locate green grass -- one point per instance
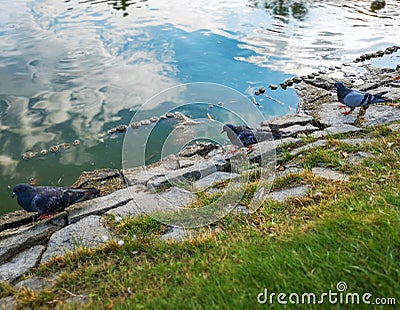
(348, 232)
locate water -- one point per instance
(74, 69)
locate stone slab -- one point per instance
(329, 174)
(21, 263)
(307, 147)
(88, 232)
(293, 192)
(381, 114)
(288, 120)
(336, 129)
(177, 234)
(145, 202)
(15, 240)
(209, 180)
(294, 130)
(98, 206)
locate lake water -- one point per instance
(74, 69)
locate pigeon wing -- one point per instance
(355, 99)
(49, 200)
(247, 137)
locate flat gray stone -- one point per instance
(394, 127)
(177, 234)
(214, 178)
(329, 114)
(329, 174)
(336, 129)
(290, 170)
(294, 192)
(88, 232)
(294, 130)
(143, 174)
(21, 263)
(307, 147)
(356, 141)
(36, 283)
(288, 120)
(185, 176)
(242, 209)
(8, 303)
(146, 202)
(381, 114)
(18, 239)
(358, 157)
(98, 206)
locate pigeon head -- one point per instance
(338, 85)
(21, 189)
(228, 128)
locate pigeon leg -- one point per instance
(342, 106)
(46, 216)
(346, 112)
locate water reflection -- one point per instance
(282, 9)
(119, 5)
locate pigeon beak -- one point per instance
(14, 194)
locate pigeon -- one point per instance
(244, 136)
(354, 98)
(48, 200)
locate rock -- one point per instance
(294, 192)
(329, 174)
(18, 239)
(273, 86)
(145, 122)
(242, 209)
(95, 175)
(358, 157)
(185, 176)
(329, 114)
(307, 147)
(98, 206)
(146, 202)
(176, 234)
(290, 170)
(355, 141)
(121, 128)
(88, 232)
(214, 178)
(394, 127)
(288, 120)
(21, 263)
(141, 175)
(295, 130)
(9, 303)
(36, 283)
(377, 5)
(201, 149)
(153, 119)
(336, 129)
(380, 114)
(135, 125)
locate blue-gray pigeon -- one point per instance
(244, 136)
(355, 98)
(47, 200)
